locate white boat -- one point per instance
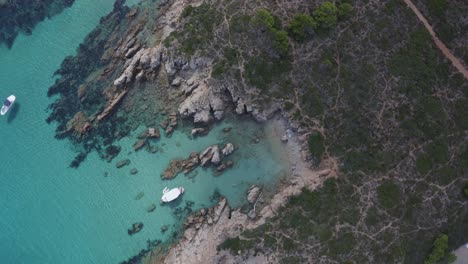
(171, 195)
(7, 104)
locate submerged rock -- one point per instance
(199, 131)
(221, 168)
(164, 228)
(139, 144)
(136, 227)
(139, 195)
(174, 168)
(151, 208)
(122, 163)
(111, 152)
(133, 171)
(153, 133)
(227, 129)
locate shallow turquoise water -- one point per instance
(53, 214)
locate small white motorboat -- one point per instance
(171, 195)
(7, 104)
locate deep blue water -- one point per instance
(54, 214)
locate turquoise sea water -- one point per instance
(54, 214)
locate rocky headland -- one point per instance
(21, 16)
(378, 118)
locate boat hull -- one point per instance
(5, 108)
(171, 195)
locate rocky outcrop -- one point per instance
(139, 144)
(211, 154)
(253, 193)
(138, 61)
(150, 133)
(228, 149)
(175, 166)
(170, 124)
(79, 124)
(204, 104)
(199, 131)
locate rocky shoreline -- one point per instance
(137, 81)
(207, 228)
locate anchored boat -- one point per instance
(7, 104)
(171, 195)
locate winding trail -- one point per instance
(437, 41)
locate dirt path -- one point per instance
(437, 41)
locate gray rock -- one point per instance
(218, 115)
(199, 131)
(216, 159)
(252, 194)
(228, 149)
(177, 81)
(284, 138)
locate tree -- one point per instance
(388, 194)
(326, 15)
(439, 249)
(344, 10)
(264, 18)
(300, 26)
(281, 43)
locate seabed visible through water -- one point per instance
(55, 214)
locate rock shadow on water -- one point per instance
(15, 108)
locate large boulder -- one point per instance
(207, 155)
(228, 149)
(253, 193)
(201, 103)
(216, 159)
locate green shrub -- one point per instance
(263, 18)
(316, 145)
(423, 164)
(301, 25)
(388, 194)
(344, 10)
(465, 192)
(187, 11)
(218, 69)
(439, 250)
(437, 7)
(236, 244)
(262, 72)
(280, 42)
(326, 15)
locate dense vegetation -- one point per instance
(376, 94)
